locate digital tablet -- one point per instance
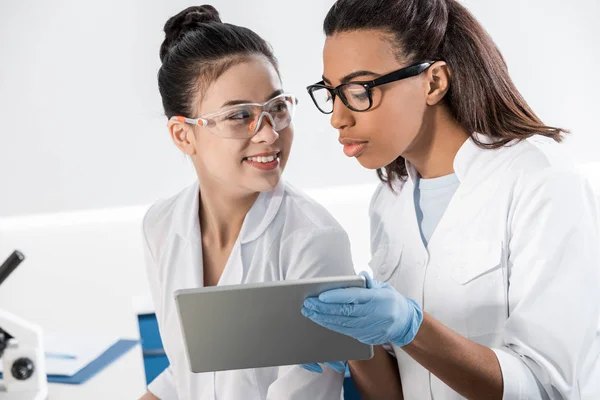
(261, 325)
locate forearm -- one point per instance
(149, 396)
(377, 378)
(470, 369)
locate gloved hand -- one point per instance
(337, 366)
(375, 315)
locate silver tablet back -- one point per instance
(260, 325)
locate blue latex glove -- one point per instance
(375, 315)
(337, 366)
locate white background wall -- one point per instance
(81, 123)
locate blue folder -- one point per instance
(108, 357)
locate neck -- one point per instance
(222, 214)
(433, 153)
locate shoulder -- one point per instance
(534, 154)
(542, 176)
(555, 186)
(539, 164)
(159, 218)
(526, 167)
(312, 242)
(303, 213)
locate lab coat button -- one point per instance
(383, 268)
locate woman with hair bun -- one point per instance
(239, 223)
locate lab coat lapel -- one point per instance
(261, 214)
(186, 244)
(233, 274)
(259, 217)
(410, 231)
(472, 166)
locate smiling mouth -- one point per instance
(268, 162)
(263, 159)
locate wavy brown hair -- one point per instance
(482, 96)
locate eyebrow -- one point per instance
(352, 76)
(236, 102)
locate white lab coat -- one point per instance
(513, 265)
(285, 235)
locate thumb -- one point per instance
(368, 279)
(371, 283)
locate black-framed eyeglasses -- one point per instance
(358, 96)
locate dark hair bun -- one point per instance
(186, 21)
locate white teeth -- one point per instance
(267, 159)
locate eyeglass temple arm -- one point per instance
(413, 70)
(192, 121)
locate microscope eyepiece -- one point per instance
(11, 263)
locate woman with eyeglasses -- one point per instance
(485, 253)
(239, 223)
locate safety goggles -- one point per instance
(243, 121)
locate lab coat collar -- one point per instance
(471, 160)
(186, 220)
(470, 163)
(262, 213)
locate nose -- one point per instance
(265, 133)
(341, 117)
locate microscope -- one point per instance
(21, 350)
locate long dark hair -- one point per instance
(482, 97)
(197, 49)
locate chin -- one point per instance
(378, 157)
(371, 162)
(266, 184)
